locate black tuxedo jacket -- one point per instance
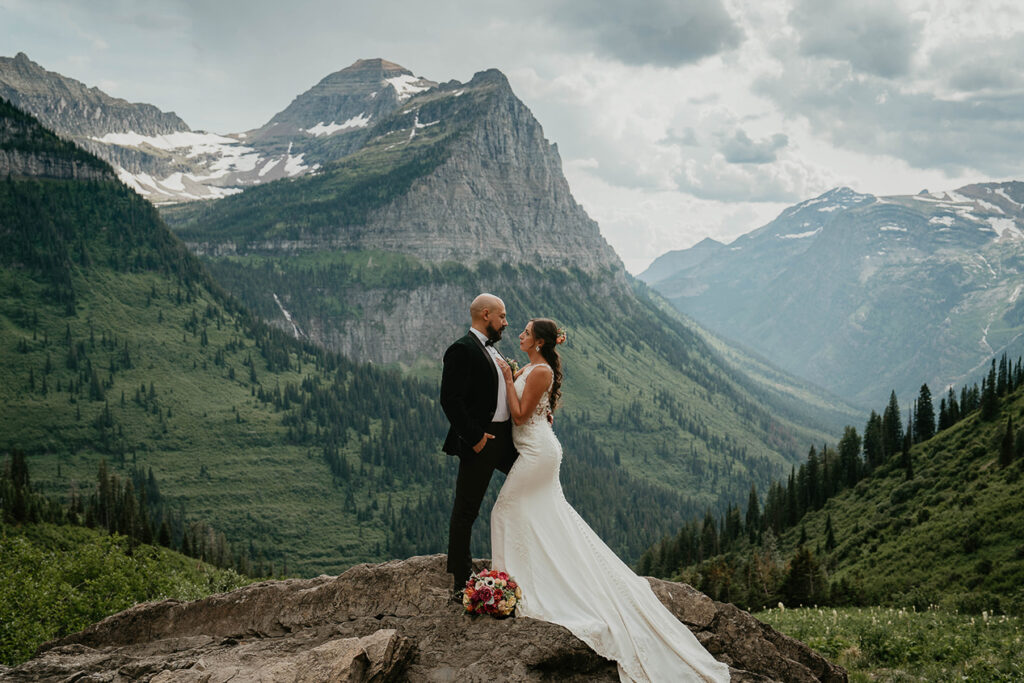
(469, 389)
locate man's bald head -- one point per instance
(488, 314)
(483, 303)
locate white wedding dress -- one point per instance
(570, 577)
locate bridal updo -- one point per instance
(547, 331)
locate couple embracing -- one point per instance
(501, 420)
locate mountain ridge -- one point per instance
(160, 157)
(904, 280)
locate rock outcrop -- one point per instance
(387, 622)
(21, 164)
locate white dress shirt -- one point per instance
(501, 413)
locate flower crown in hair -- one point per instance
(560, 336)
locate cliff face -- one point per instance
(388, 622)
(500, 196)
(461, 173)
(17, 163)
(29, 150)
(459, 176)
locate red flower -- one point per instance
(484, 594)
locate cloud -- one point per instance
(980, 64)
(874, 37)
(740, 149)
(646, 32)
(981, 131)
(717, 178)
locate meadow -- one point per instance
(893, 644)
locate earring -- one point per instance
(537, 347)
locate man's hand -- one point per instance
(483, 442)
(551, 418)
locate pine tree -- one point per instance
(1003, 381)
(907, 462)
(873, 445)
(1006, 448)
(830, 537)
(804, 584)
(753, 518)
(989, 397)
(892, 428)
(924, 418)
(952, 409)
(815, 499)
(849, 457)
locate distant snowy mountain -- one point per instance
(863, 294)
(156, 153)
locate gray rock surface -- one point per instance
(17, 163)
(386, 622)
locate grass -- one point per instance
(892, 644)
(55, 580)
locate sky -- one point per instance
(676, 120)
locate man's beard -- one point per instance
(493, 334)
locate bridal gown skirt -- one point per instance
(571, 578)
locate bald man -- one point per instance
(473, 399)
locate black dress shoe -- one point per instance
(455, 598)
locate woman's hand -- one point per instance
(505, 370)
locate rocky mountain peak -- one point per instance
(344, 101)
(74, 109)
(387, 622)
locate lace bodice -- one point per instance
(540, 413)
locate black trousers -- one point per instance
(475, 470)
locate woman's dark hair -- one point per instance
(546, 330)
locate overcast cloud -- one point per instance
(676, 120)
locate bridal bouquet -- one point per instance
(491, 592)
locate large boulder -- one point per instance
(383, 622)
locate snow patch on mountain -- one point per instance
(177, 186)
(1006, 228)
(269, 166)
(407, 85)
(199, 142)
(294, 166)
(1002, 193)
(942, 220)
(359, 121)
(892, 228)
(799, 235)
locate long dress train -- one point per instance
(570, 577)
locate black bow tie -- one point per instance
(489, 342)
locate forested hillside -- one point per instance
(65, 566)
(914, 513)
(116, 344)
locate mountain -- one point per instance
(387, 622)
(457, 192)
(160, 157)
(330, 119)
(865, 294)
(116, 343)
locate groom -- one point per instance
(473, 399)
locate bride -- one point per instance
(568, 575)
